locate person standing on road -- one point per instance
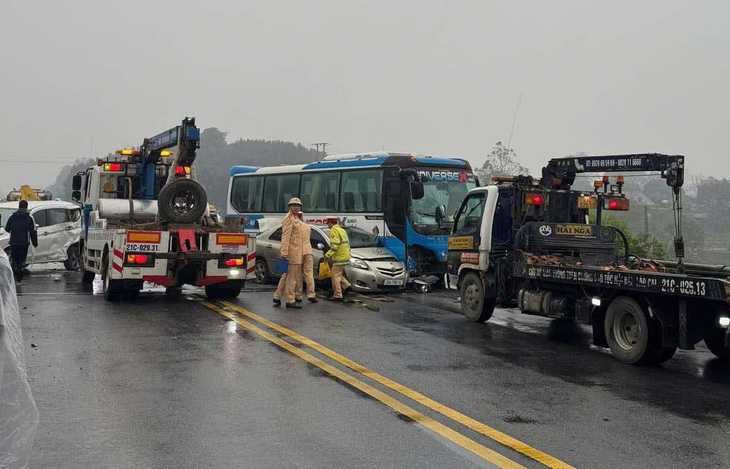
(338, 256)
(307, 262)
(291, 250)
(21, 227)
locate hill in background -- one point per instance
(213, 163)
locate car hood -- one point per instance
(371, 253)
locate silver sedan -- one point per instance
(372, 268)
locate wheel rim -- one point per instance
(626, 330)
(73, 260)
(471, 296)
(183, 202)
(260, 272)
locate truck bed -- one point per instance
(663, 283)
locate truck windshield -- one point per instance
(436, 193)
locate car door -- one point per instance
(58, 229)
(273, 249)
(320, 245)
(465, 235)
(40, 254)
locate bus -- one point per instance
(405, 199)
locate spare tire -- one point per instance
(182, 201)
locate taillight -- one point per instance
(116, 167)
(182, 170)
(231, 260)
(616, 203)
(534, 198)
(139, 259)
(234, 262)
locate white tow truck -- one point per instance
(145, 219)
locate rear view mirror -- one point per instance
(440, 214)
(76, 196)
(76, 183)
(320, 246)
(416, 190)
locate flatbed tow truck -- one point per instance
(146, 219)
(531, 243)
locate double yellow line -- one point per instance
(234, 313)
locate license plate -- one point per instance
(587, 202)
(141, 247)
(393, 282)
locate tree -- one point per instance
(643, 245)
(501, 161)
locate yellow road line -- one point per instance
(455, 415)
(461, 440)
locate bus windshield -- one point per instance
(448, 194)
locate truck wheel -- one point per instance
(262, 271)
(228, 289)
(475, 307)
(627, 332)
(182, 201)
(715, 341)
(112, 289)
(73, 258)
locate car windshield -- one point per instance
(448, 194)
(358, 238)
(5, 214)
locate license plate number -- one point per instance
(141, 247)
(393, 282)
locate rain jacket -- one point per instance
(291, 239)
(21, 227)
(339, 252)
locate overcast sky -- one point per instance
(441, 78)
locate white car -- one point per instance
(58, 225)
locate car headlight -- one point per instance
(359, 263)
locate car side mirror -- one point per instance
(416, 190)
(320, 246)
(76, 196)
(76, 183)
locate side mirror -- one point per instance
(76, 183)
(76, 196)
(440, 214)
(416, 190)
(320, 246)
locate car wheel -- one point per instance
(474, 305)
(262, 271)
(73, 258)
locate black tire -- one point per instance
(474, 305)
(225, 290)
(131, 290)
(73, 258)
(182, 201)
(629, 335)
(112, 289)
(263, 275)
(87, 276)
(715, 341)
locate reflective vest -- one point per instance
(339, 251)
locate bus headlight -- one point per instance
(359, 263)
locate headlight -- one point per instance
(724, 321)
(359, 263)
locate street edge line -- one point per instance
(446, 411)
(446, 432)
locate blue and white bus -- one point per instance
(407, 200)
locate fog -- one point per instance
(441, 78)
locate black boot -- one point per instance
(313, 300)
(277, 302)
(293, 306)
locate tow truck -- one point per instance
(533, 243)
(28, 193)
(146, 219)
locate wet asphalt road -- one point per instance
(166, 382)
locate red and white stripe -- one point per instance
(118, 254)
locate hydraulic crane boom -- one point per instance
(560, 173)
(186, 137)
